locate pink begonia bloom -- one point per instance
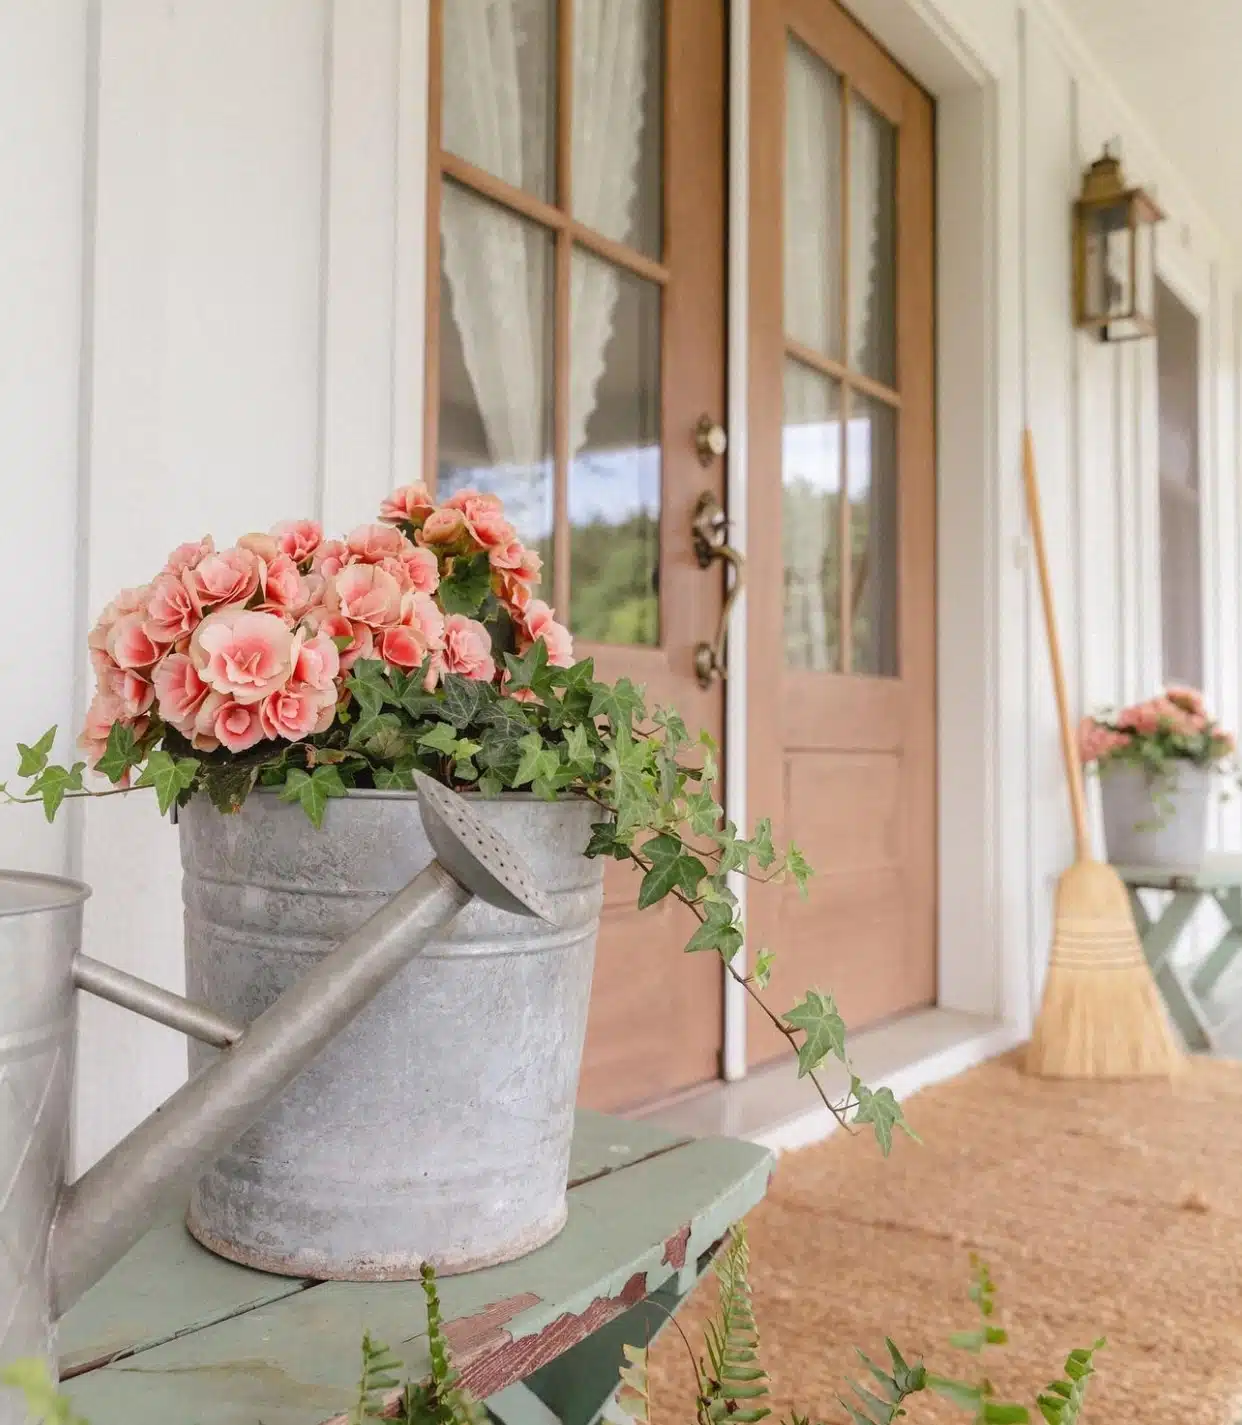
(420, 632)
(330, 558)
(485, 518)
(244, 655)
(464, 499)
(130, 645)
(515, 572)
(411, 504)
(1189, 699)
(390, 564)
(373, 542)
(364, 594)
(295, 712)
(284, 590)
(1096, 742)
(538, 623)
(444, 527)
(230, 724)
(135, 693)
(361, 640)
(468, 649)
(104, 711)
(189, 556)
(1228, 743)
(172, 613)
(299, 539)
(318, 664)
(227, 578)
(180, 691)
(264, 545)
(128, 601)
(423, 569)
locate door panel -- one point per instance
(577, 336)
(842, 511)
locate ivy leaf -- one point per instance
(761, 847)
(228, 784)
(466, 585)
(703, 812)
(627, 761)
(369, 685)
(675, 734)
(394, 779)
(817, 1017)
(579, 753)
(532, 672)
(763, 968)
(798, 867)
(734, 852)
(879, 1108)
(120, 755)
(371, 727)
(32, 760)
(170, 776)
(717, 932)
(500, 752)
(464, 698)
(490, 785)
(672, 868)
(53, 782)
(605, 842)
(622, 704)
(313, 790)
(531, 749)
(577, 688)
(440, 738)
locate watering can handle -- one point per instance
(149, 1000)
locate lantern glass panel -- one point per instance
(1107, 233)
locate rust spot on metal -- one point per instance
(675, 1248)
(497, 1365)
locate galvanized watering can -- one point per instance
(58, 1240)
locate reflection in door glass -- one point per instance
(810, 514)
(871, 453)
(873, 253)
(614, 442)
(495, 420)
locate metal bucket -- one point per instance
(438, 1126)
(40, 932)
(1146, 824)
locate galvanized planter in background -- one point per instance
(437, 1127)
(1152, 824)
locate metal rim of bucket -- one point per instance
(61, 892)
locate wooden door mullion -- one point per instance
(845, 636)
(561, 355)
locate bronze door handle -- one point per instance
(710, 533)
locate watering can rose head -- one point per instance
(1173, 726)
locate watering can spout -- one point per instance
(101, 1215)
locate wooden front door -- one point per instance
(575, 338)
(842, 513)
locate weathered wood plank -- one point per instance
(1220, 871)
(292, 1361)
(604, 1144)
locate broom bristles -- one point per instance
(1102, 1016)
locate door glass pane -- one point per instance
(617, 128)
(499, 108)
(810, 512)
(614, 442)
(812, 201)
(871, 452)
(873, 257)
(495, 421)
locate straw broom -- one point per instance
(1102, 1017)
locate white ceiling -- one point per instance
(1178, 63)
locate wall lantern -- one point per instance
(1114, 254)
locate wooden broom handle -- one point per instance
(1069, 743)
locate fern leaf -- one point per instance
(736, 1385)
(442, 1400)
(1061, 1403)
(376, 1379)
(634, 1392)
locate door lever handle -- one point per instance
(709, 530)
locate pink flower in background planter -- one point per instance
(264, 545)
(364, 594)
(411, 504)
(180, 691)
(330, 558)
(232, 725)
(468, 649)
(189, 556)
(1188, 699)
(129, 643)
(1096, 742)
(299, 539)
(294, 712)
(318, 664)
(538, 623)
(423, 569)
(172, 613)
(228, 578)
(243, 655)
(445, 529)
(373, 542)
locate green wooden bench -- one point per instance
(177, 1336)
(1218, 880)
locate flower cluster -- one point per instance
(1173, 725)
(229, 648)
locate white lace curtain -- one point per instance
(499, 112)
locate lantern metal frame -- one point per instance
(1104, 188)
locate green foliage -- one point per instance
(376, 1381)
(634, 1392)
(1061, 1403)
(732, 1383)
(441, 1399)
(170, 776)
(44, 1403)
(466, 585)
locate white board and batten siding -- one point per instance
(211, 317)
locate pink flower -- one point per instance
(129, 644)
(423, 568)
(538, 623)
(330, 558)
(189, 556)
(285, 591)
(128, 601)
(390, 564)
(411, 504)
(171, 612)
(420, 632)
(318, 664)
(243, 655)
(228, 578)
(135, 693)
(484, 517)
(296, 712)
(261, 544)
(1188, 699)
(105, 710)
(515, 571)
(180, 691)
(445, 528)
(468, 649)
(228, 723)
(373, 542)
(364, 594)
(1096, 742)
(299, 539)
(333, 626)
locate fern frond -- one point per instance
(376, 1378)
(895, 1388)
(634, 1392)
(732, 1383)
(1061, 1403)
(44, 1403)
(440, 1400)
